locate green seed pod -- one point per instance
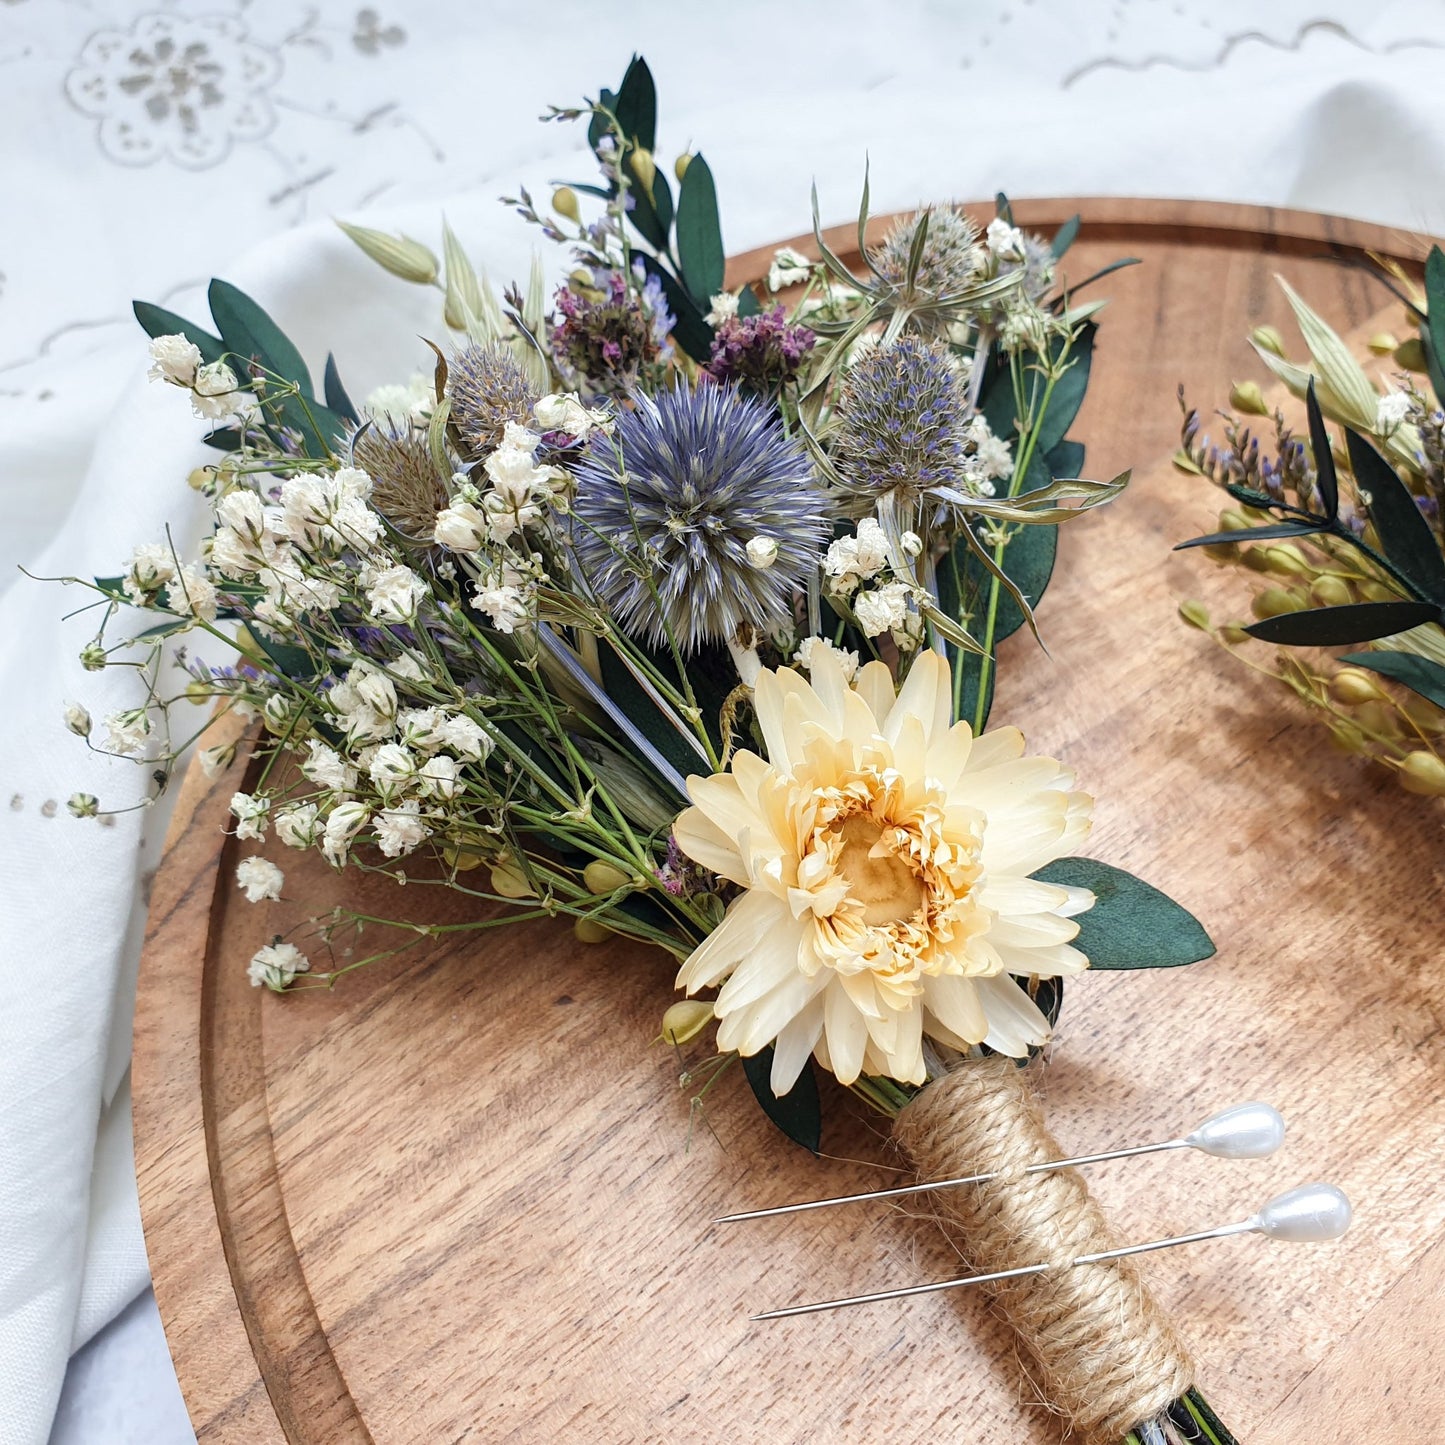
(1267, 338)
(1246, 396)
(1234, 634)
(462, 859)
(588, 930)
(1195, 614)
(685, 1020)
(1382, 343)
(1378, 592)
(1354, 685)
(398, 254)
(1255, 559)
(1286, 560)
(564, 202)
(1331, 591)
(680, 165)
(1423, 714)
(1348, 738)
(644, 168)
(1410, 354)
(1424, 773)
(1274, 602)
(1378, 717)
(1222, 552)
(602, 877)
(1231, 519)
(510, 881)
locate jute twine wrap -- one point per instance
(1109, 1359)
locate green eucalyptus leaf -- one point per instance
(1066, 460)
(651, 215)
(1419, 674)
(335, 392)
(1405, 535)
(157, 321)
(250, 333)
(224, 439)
(748, 303)
(699, 233)
(1065, 236)
(1132, 924)
(1334, 626)
(799, 1114)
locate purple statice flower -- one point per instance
(903, 415)
(666, 506)
(608, 336)
(761, 352)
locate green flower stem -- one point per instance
(1028, 439)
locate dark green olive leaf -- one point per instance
(1065, 236)
(651, 215)
(636, 104)
(1419, 674)
(597, 127)
(748, 303)
(1001, 205)
(1433, 331)
(798, 1113)
(1333, 626)
(689, 329)
(1132, 924)
(335, 392)
(1405, 535)
(224, 439)
(699, 233)
(157, 321)
(250, 333)
(1325, 478)
(1267, 533)
(115, 586)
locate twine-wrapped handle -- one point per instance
(1108, 1357)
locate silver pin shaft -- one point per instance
(906, 1189)
(1244, 1227)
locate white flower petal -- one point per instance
(1014, 1020)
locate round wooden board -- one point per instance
(457, 1198)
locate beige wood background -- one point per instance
(455, 1199)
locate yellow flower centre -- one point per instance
(882, 882)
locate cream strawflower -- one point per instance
(886, 856)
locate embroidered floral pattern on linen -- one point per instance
(175, 87)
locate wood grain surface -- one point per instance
(457, 1198)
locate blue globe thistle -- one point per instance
(673, 498)
(487, 387)
(903, 416)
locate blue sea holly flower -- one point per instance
(667, 507)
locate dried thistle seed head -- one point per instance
(487, 387)
(903, 415)
(405, 487)
(952, 256)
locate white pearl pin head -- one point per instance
(1245, 1131)
(1310, 1214)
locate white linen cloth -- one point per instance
(147, 146)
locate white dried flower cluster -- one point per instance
(404, 403)
(216, 393)
(1004, 240)
(989, 458)
(1391, 412)
(812, 649)
(564, 412)
(259, 879)
(789, 268)
(276, 965)
(724, 307)
(858, 569)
